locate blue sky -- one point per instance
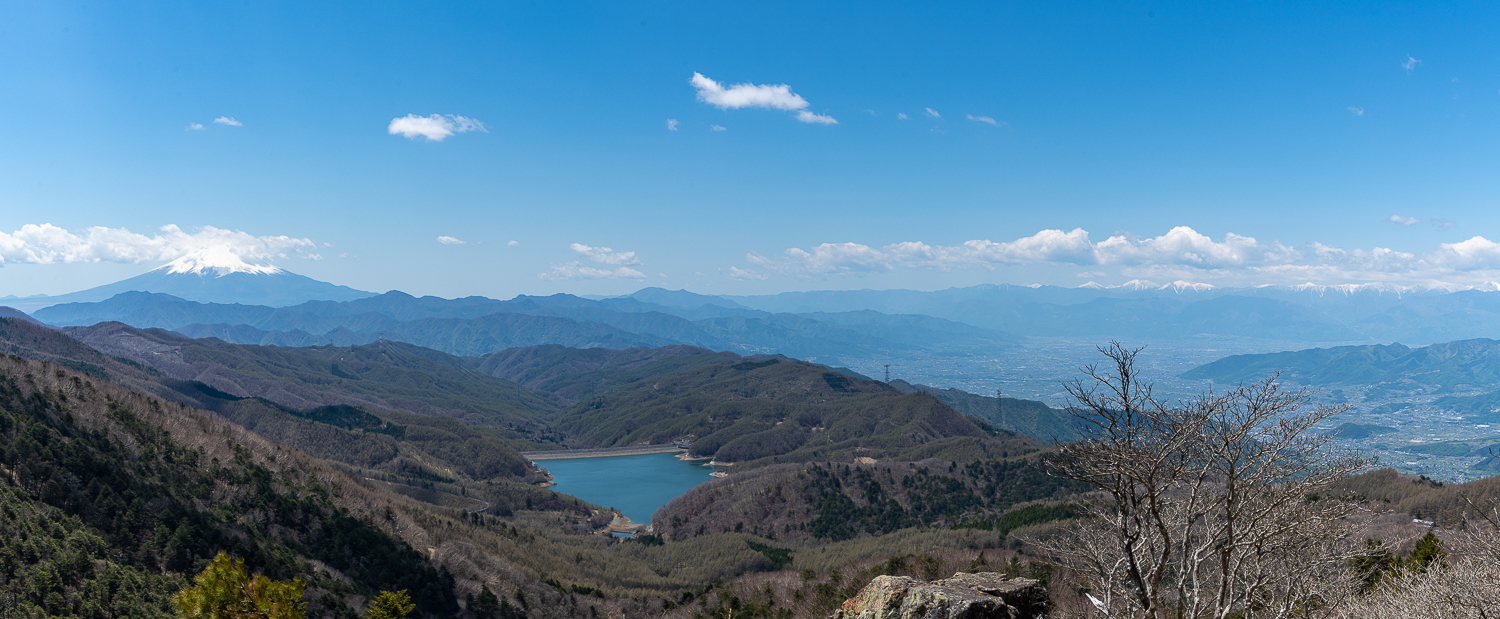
(1065, 143)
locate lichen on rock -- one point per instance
(985, 595)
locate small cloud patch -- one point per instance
(435, 128)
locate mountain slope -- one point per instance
(1446, 366)
(1029, 417)
(142, 493)
(212, 275)
(760, 410)
(385, 375)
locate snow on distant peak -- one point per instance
(1092, 284)
(1183, 285)
(1138, 284)
(219, 261)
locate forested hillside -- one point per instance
(487, 543)
(1029, 417)
(772, 409)
(384, 375)
(840, 501)
(111, 498)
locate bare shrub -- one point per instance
(1211, 508)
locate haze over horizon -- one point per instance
(598, 149)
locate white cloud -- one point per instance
(513, 243)
(1405, 221)
(671, 124)
(605, 255)
(809, 117)
(763, 96)
(1181, 254)
(195, 127)
(577, 270)
(1410, 63)
(742, 274)
(49, 244)
(1357, 111)
(982, 119)
(716, 128)
(228, 120)
(1443, 224)
(933, 113)
(435, 127)
(448, 240)
(901, 115)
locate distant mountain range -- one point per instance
(1450, 366)
(475, 326)
(212, 295)
(1308, 313)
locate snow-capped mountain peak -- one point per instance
(1183, 285)
(218, 261)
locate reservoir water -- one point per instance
(635, 485)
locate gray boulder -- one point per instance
(985, 595)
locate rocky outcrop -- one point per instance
(986, 595)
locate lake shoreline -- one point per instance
(568, 454)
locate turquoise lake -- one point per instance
(635, 485)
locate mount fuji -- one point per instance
(212, 275)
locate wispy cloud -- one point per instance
(1181, 253)
(49, 244)
(671, 124)
(1404, 220)
(435, 128)
(620, 260)
(512, 243)
(982, 119)
(195, 127)
(742, 274)
(716, 128)
(1410, 63)
(448, 240)
(809, 117)
(228, 120)
(1443, 224)
(577, 270)
(901, 115)
(933, 113)
(605, 255)
(763, 96)
(1357, 111)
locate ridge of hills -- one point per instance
(334, 507)
(1028, 417)
(774, 410)
(1302, 313)
(478, 404)
(474, 325)
(1443, 367)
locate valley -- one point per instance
(498, 427)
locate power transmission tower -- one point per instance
(1000, 410)
(887, 372)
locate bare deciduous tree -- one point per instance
(1206, 509)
